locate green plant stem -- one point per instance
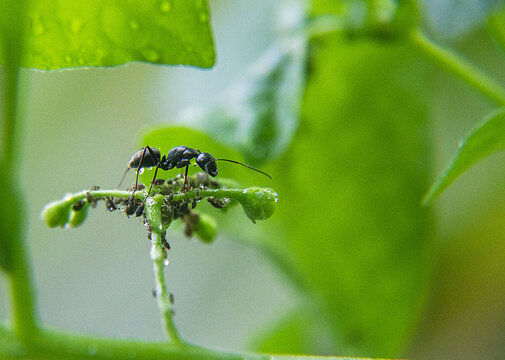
(24, 313)
(191, 194)
(162, 294)
(49, 344)
(25, 317)
(460, 67)
(21, 283)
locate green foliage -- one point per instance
(259, 114)
(355, 178)
(366, 237)
(349, 232)
(65, 34)
(486, 138)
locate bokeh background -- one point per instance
(82, 127)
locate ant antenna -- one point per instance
(247, 166)
(123, 177)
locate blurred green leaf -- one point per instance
(65, 34)
(259, 114)
(351, 185)
(487, 137)
(300, 332)
(496, 25)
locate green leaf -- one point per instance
(496, 26)
(487, 137)
(259, 114)
(295, 334)
(64, 34)
(351, 185)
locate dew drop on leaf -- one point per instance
(134, 25)
(37, 27)
(151, 55)
(165, 6)
(68, 58)
(75, 25)
(203, 17)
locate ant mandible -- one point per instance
(177, 157)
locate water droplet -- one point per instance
(151, 55)
(81, 61)
(141, 171)
(68, 58)
(203, 17)
(166, 262)
(37, 27)
(134, 25)
(165, 6)
(75, 24)
(199, 3)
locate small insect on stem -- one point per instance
(178, 157)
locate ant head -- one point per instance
(208, 164)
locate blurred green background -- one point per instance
(82, 127)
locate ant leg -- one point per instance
(186, 179)
(138, 169)
(153, 157)
(154, 178)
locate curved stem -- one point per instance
(19, 268)
(460, 67)
(162, 295)
(191, 194)
(62, 345)
(25, 317)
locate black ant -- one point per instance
(177, 157)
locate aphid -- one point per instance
(109, 204)
(78, 205)
(164, 241)
(140, 211)
(218, 203)
(158, 182)
(188, 230)
(130, 208)
(177, 157)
